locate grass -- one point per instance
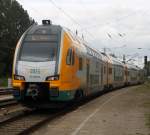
(3, 82)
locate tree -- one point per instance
(14, 20)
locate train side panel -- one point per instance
(69, 81)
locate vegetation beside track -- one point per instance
(3, 82)
(14, 20)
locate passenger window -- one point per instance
(104, 70)
(73, 57)
(126, 72)
(70, 57)
(110, 70)
(80, 63)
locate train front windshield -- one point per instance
(39, 48)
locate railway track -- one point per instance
(27, 122)
(6, 91)
(6, 98)
(8, 124)
(7, 102)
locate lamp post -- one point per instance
(146, 62)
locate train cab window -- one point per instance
(80, 63)
(70, 59)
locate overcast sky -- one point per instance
(104, 23)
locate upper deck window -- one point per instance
(41, 38)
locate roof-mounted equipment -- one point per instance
(46, 22)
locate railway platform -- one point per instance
(121, 112)
(124, 111)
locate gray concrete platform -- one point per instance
(116, 113)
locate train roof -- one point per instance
(89, 50)
(106, 57)
(116, 61)
(132, 66)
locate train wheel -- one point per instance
(78, 95)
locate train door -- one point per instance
(126, 75)
(107, 74)
(102, 73)
(110, 75)
(87, 77)
(88, 73)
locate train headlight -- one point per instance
(52, 78)
(18, 77)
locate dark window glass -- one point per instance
(69, 54)
(70, 57)
(38, 51)
(110, 70)
(94, 79)
(80, 63)
(104, 70)
(118, 73)
(126, 72)
(73, 57)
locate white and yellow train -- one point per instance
(53, 65)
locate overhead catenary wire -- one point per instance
(71, 18)
(119, 34)
(115, 20)
(64, 12)
(34, 10)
